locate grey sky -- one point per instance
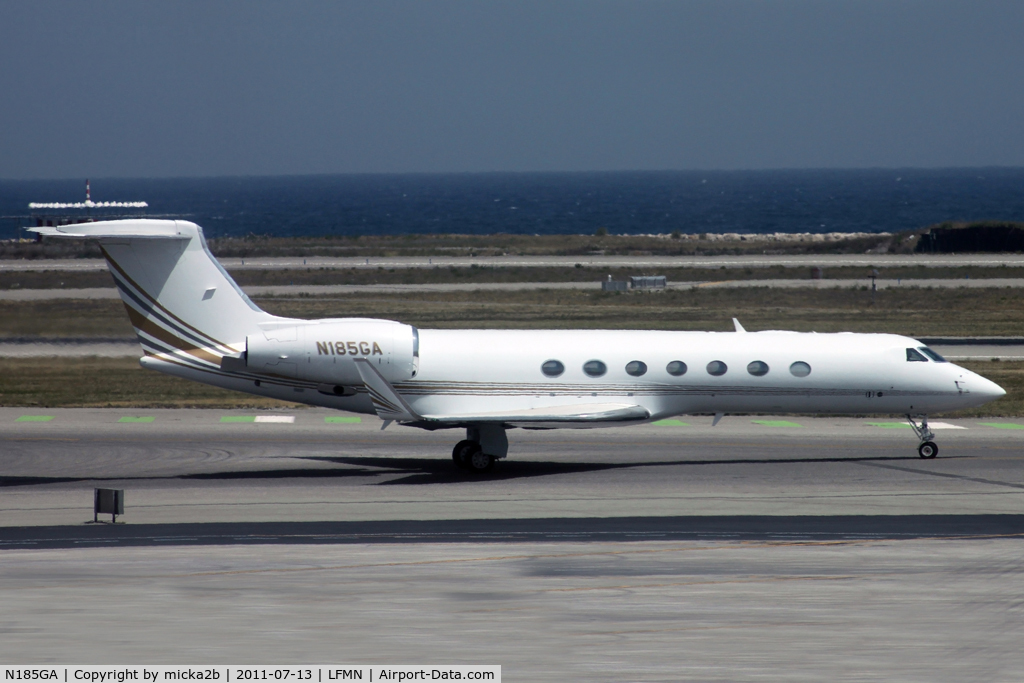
(212, 88)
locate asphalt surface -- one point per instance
(327, 290)
(745, 261)
(196, 467)
(765, 548)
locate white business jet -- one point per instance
(193, 321)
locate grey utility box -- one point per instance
(647, 281)
(614, 285)
(107, 502)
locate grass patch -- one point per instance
(110, 383)
(432, 244)
(485, 274)
(913, 312)
(64, 318)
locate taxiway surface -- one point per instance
(589, 260)
(204, 466)
(110, 293)
(761, 549)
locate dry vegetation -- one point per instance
(466, 245)
(489, 274)
(915, 312)
(109, 383)
(561, 245)
(910, 311)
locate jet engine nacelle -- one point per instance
(324, 351)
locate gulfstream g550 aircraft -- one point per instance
(194, 322)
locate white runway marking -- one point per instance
(937, 425)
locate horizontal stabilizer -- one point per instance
(123, 229)
(386, 401)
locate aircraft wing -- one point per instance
(390, 405)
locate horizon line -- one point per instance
(781, 169)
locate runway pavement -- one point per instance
(199, 467)
(589, 260)
(765, 548)
(328, 290)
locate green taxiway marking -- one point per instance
(671, 423)
(890, 425)
(34, 418)
(129, 418)
(776, 423)
(238, 418)
(342, 420)
(1002, 425)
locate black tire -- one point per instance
(479, 462)
(461, 452)
(928, 450)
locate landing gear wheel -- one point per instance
(928, 450)
(480, 462)
(462, 451)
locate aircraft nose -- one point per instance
(997, 391)
(987, 388)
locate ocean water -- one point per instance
(875, 200)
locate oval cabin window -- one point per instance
(676, 368)
(717, 368)
(758, 368)
(800, 369)
(636, 368)
(595, 368)
(552, 368)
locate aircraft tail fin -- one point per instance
(182, 303)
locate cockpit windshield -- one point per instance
(914, 356)
(931, 354)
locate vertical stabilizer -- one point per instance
(181, 302)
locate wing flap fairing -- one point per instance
(568, 414)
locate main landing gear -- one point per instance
(469, 456)
(483, 446)
(927, 449)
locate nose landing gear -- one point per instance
(927, 449)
